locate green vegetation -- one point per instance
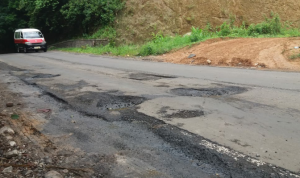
(160, 44)
(295, 56)
(58, 19)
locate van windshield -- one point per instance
(33, 34)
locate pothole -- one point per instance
(207, 92)
(79, 85)
(163, 86)
(115, 102)
(143, 76)
(45, 76)
(185, 114)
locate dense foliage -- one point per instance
(58, 19)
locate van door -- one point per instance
(19, 38)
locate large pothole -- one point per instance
(207, 92)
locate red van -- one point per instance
(30, 39)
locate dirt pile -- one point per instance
(141, 18)
(273, 53)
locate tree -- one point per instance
(57, 19)
(11, 18)
(88, 14)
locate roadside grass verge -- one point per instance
(160, 44)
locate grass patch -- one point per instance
(160, 44)
(294, 56)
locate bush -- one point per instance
(196, 35)
(225, 29)
(146, 51)
(270, 26)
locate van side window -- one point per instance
(40, 34)
(17, 35)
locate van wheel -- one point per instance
(45, 50)
(25, 50)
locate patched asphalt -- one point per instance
(112, 118)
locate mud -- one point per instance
(143, 76)
(208, 92)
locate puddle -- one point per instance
(207, 92)
(142, 76)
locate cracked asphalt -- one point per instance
(165, 120)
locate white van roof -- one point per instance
(27, 30)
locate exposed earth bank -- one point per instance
(271, 53)
(141, 18)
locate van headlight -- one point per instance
(44, 42)
(28, 43)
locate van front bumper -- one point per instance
(36, 46)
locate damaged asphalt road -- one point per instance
(164, 124)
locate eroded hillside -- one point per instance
(141, 18)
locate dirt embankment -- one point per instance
(141, 18)
(272, 53)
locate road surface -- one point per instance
(191, 120)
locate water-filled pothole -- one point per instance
(207, 92)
